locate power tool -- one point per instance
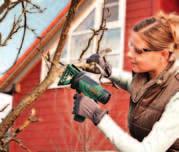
(83, 84)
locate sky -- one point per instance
(36, 21)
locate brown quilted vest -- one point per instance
(148, 101)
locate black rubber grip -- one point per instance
(79, 118)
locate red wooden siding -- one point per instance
(58, 131)
(135, 11)
(170, 6)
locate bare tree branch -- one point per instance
(19, 23)
(4, 108)
(31, 119)
(100, 31)
(4, 6)
(3, 15)
(95, 32)
(55, 71)
(15, 28)
(102, 27)
(24, 32)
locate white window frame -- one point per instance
(6, 100)
(98, 5)
(120, 23)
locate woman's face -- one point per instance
(141, 60)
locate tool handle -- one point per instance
(79, 118)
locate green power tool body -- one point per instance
(83, 84)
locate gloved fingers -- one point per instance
(75, 108)
(105, 70)
(77, 96)
(93, 58)
(108, 69)
(103, 73)
(101, 63)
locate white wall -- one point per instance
(5, 100)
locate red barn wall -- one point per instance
(170, 6)
(57, 131)
(135, 11)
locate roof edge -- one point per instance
(5, 78)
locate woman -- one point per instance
(154, 90)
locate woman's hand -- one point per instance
(86, 107)
(103, 65)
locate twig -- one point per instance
(95, 32)
(4, 108)
(16, 25)
(24, 32)
(15, 28)
(55, 71)
(6, 12)
(21, 144)
(31, 119)
(101, 29)
(102, 26)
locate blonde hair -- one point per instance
(160, 31)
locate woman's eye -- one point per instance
(138, 51)
(146, 50)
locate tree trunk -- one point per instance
(54, 72)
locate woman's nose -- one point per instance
(129, 54)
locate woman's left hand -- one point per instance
(86, 107)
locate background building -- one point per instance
(58, 132)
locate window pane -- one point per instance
(113, 60)
(112, 13)
(111, 40)
(111, 1)
(64, 52)
(78, 43)
(87, 23)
